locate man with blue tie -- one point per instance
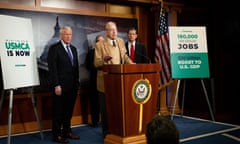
(135, 49)
(64, 75)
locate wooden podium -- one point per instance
(131, 100)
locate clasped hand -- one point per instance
(107, 58)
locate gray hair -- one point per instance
(110, 23)
(65, 28)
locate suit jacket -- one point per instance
(140, 55)
(61, 71)
(91, 68)
(103, 48)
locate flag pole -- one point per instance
(162, 56)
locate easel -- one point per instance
(206, 95)
(10, 112)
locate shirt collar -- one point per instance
(64, 44)
(110, 40)
(130, 43)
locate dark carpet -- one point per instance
(192, 131)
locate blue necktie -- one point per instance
(69, 54)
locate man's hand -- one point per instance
(107, 58)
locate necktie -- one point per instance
(132, 52)
(113, 42)
(69, 54)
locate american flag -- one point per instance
(162, 51)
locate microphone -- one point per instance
(144, 56)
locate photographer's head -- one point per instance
(162, 130)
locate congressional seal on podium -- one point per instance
(141, 91)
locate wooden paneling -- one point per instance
(74, 5)
(118, 9)
(19, 2)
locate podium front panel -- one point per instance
(125, 116)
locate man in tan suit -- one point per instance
(111, 50)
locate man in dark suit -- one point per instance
(94, 99)
(64, 73)
(135, 49)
